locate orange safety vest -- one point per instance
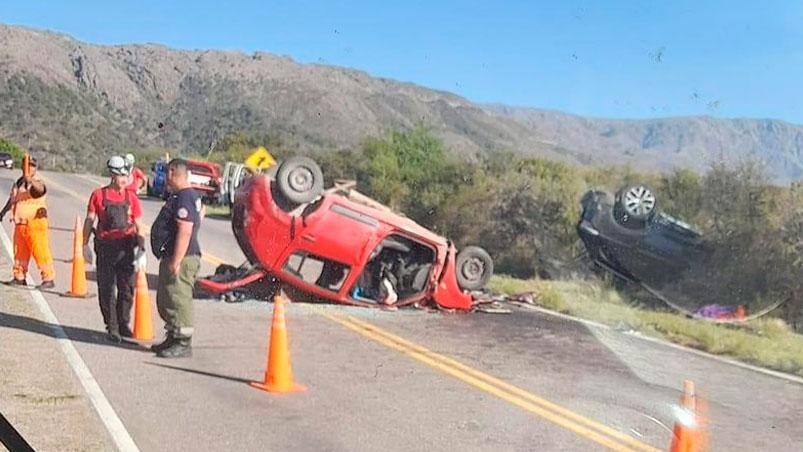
(26, 207)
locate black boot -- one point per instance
(180, 348)
(126, 332)
(114, 337)
(16, 282)
(46, 285)
(164, 344)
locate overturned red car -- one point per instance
(342, 246)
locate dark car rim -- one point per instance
(473, 269)
(639, 202)
(301, 179)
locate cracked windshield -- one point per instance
(420, 226)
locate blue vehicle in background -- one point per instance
(203, 176)
(157, 183)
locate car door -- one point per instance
(325, 237)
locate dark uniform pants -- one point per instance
(115, 263)
(174, 295)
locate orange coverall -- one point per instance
(30, 233)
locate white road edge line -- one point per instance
(114, 425)
(733, 362)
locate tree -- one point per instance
(16, 152)
(681, 193)
(734, 198)
(411, 171)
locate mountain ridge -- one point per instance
(76, 100)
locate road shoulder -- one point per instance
(41, 396)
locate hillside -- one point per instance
(75, 101)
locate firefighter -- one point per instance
(28, 206)
(119, 244)
(137, 177)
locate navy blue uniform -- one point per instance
(184, 205)
(174, 292)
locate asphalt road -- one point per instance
(407, 380)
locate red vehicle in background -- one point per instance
(205, 177)
(341, 246)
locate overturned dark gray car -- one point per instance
(628, 236)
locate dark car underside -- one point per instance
(627, 236)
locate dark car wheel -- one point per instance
(300, 180)
(474, 268)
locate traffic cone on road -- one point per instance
(279, 374)
(689, 434)
(78, 284)
(143, 320)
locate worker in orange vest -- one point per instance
(28, 206)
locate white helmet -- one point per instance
(117, 166)
(129, 158)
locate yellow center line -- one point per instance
(212, 259)
(507, 386)
(556, 414)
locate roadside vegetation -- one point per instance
(523, 210)
(12, 149)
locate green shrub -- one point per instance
(12, 148)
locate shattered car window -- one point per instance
(324, 273)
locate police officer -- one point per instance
(119, 241)
(28, 204)
(174, 240)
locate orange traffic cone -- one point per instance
(689, 433)
(279, 374)
(78, 285)
(143, 320)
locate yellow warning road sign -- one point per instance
(260, 159)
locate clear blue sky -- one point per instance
(631, 59)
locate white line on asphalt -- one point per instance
(99, 401)
(769, 372)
